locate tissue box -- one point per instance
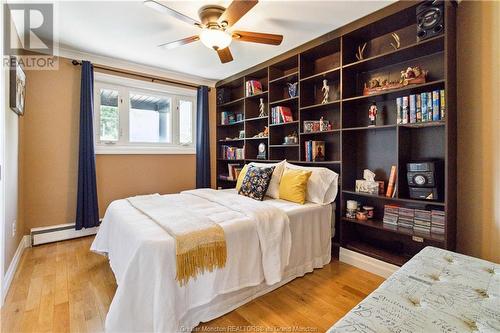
(367, 186)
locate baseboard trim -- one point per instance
(367, 263)
(11, 271)
(60, 232)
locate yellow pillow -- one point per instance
(293, 186)
(242, 174)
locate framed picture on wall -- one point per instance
(17, 87)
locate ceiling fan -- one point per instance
(215, 23)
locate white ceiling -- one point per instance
(130, 31)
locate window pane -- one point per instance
(109, 115)
(150, 119)
(185, 122)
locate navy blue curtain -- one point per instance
(87, 210)
(202, 140)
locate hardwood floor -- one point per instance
(63, 287)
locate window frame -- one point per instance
(125, 87)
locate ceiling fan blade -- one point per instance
(235, 11)
(257, 37)
(159, 7)
(225, 55)
(180, 42)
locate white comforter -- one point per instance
(148, 298)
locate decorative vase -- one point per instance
(292, 89)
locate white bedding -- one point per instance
(142, 258)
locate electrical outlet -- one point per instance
(14, 227)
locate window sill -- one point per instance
(140, 150)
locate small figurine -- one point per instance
(372, 114)
(262, 134)
(326, 90)
(361, 51)
(397, 40)
(262, 108)
(322, 125)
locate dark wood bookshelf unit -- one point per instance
(351, 145)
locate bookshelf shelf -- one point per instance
(414, 87)
(264, 93)
(231, 140)
(378, 224)
(377, 252)
(285, 124)
(320, 106)
(330, 74)
(284, 146)
(231, 103)
(232, 124)
(284, 100)
(320, 132)
(369, 128)
(352, 146)
(286, 78)
(395, 199)
(256, 118)
(412, 51)
(424, 124)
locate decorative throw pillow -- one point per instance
(293, 186)
(241, 176)
(273, 190)
(256, 182)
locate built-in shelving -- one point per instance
(351, 145)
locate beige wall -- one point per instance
(10, 171)
(479, 128)
(49, 151)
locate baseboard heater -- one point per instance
(55, 233)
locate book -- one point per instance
(436, 115)
(442, 108)
(231, 168)
(399, 109)
(286, 114)
(423, 99)
(419, 108)
(253, 87)
(405, 110)
(413, 109)
(318, 151)
(308, 149)
(391, 183)
(429, 106)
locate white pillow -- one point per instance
(273, 190)
(322, 186)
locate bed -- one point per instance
(436, 291)
(141, 255)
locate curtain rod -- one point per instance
(148, 77)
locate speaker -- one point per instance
(430, 19)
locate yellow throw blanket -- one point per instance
(200, 243)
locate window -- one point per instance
(136, 117)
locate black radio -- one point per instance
(423, 180)
(430, 19)
(421, 174)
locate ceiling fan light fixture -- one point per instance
(215, 38)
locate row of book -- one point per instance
(423, 221)
(233, 172)
(314, 151)
(424, 107)
(281, 114)
(227, 118)
(232, 153)
(253, 87)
